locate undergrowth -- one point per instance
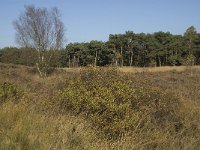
(118, 106)
(9, 91)
(98, 109)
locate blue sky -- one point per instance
(87, 20)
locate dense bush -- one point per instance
(117, 104)
(9, 91)
(136, 109)
(26, 56)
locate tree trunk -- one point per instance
(131, 59)
(95, 59)
(113, 61)
(159, 61)
(190, 47)
(77, 64)
(122, 58)
(41, 66)
(39, 70)
(69, 62)
(43, 63)
(74, 60)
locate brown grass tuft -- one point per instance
(151, 108)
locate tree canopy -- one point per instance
(42, 30)
(128, 49)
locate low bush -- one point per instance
(117, 104)
(99, 109)
(9, 91)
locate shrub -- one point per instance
(118, 104)
(9, 91)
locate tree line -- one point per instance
(128, 49)
(131, 49)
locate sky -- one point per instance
(87, 20)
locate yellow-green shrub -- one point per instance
(9, 91)
(116, 104)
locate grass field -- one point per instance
(100, 108)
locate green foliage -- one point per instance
(9, 91)
(128, 49)
(189, 60)
(117, 104)
(23, 56)
(27, 56)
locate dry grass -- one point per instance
(156, 69)
(32, 123)
(23, 129)
(139, 69)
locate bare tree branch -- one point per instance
(42, 30)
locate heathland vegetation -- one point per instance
(98, 95)
(100, 108)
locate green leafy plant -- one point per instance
(9, 91)
(116, 104)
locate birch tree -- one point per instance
(43, 30)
